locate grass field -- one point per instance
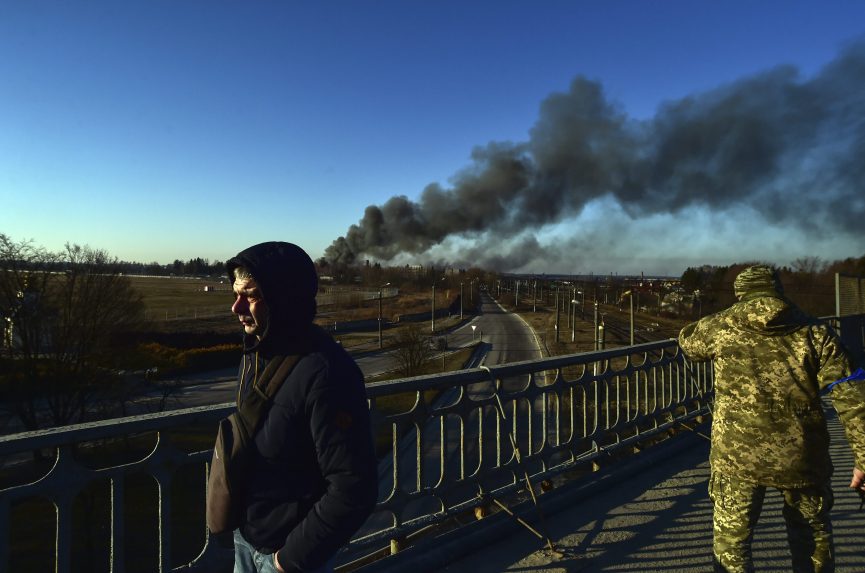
(178, 304)
(172, 298)
(649, 327)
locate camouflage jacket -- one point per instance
(770, 363)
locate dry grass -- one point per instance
(179, 297)
(178, 304)
(650, 327)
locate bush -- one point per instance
(173, 361)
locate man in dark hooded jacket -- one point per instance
(771, 362)
(314, 479)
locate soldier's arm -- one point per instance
(849, 402)
(848, 398)
(695, 342)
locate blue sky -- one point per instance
(162, 130)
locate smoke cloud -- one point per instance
(791, 150)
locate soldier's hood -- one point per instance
(770, 315)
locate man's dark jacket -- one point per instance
(314, 481)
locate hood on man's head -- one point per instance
(758, 280)
(287, 279)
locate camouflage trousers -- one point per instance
(737, 506)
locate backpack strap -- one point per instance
(257, 403)
(274, 374)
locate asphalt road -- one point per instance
(507, 337)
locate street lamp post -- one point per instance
(434, 308)
(380, 346)
(631, 297)
(699, 301)
(461, 300)
(630, 294)
(566, 304)
(434, 305)
(558, 314)
(600, 342)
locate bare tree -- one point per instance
(413, 349)
(65, 312)
(809, 265)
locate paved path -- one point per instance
(649, 515)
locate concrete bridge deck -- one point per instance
(651, 513)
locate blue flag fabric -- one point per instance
(858, 376)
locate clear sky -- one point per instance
(161, 130)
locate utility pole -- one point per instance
(434, 308)
(631, 297)
(568, 310)
(380, 344)
(558, 314)
(379, 314)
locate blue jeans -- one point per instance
(248, 560)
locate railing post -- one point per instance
(63, 533)
(118, 525)
(4, 534)
(164, 485)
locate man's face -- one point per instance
(249, 306)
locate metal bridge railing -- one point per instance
(448, 443)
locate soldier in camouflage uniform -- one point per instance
(771, 362)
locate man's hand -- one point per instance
(277, 565)
(858, 482)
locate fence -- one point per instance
(355, 295)
(446, 447)
(326, 296)
(445, 442)
(849, 295)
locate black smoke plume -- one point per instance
(790, 149)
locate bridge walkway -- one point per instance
(651, 513)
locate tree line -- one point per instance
(808, 281)
(65, 317)
(69, 319)
(198, 266)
